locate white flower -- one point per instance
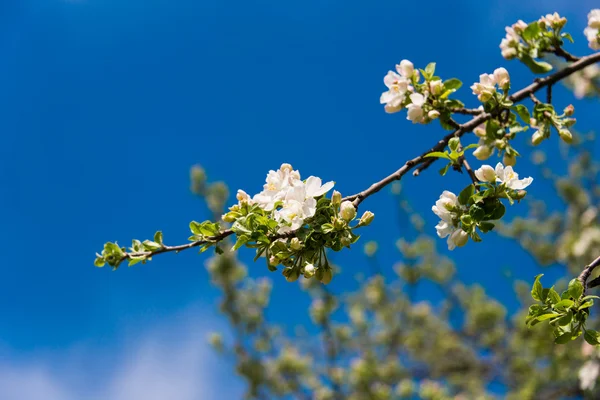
(594, 19)
(592, 36)
(501, 77)
(347, 211)
(393, 98)
(415, 109)
(436, 87)
(485, 88)
(276, 185)
(553, 20)
(447, 201)
(509, 44)
(510, 178)
(243, 197)
(433, 114)
(314, 187)
(458, 239)
(480, 130)
(486, 173)
(588, 374)
(405, 68)
(309, 270)
(442, 209)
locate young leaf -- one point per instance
(592, 337)
(523, 112)
(537, 289)
(465, 194)
(575, 289)
(452, 84)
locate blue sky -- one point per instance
(105, 105)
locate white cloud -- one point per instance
(168, 361)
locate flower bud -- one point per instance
(486, 173)
(537, 138)
(229, 217)
(500, 144)
(433, 114)
(339, 224)
(569, 110)
(286, 167)
(565, 135)
(533, 122)
(336, 198)
(460, 237)
(406, 68)
(347, 211)
(482, 152)
(366, 218)
(242, 196)
(519, 26)
(309, 271)
(518, 194)
(485, 96)
(436, 87)
(295, 244)
(274, 261)
(502, 78)
(345, 241)
(480, 131)
(509, 161)
(454, 143)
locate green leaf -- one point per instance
(544, 317)
(537, 289)
(523, 112)
(452, 84)
(486, 226)
(99, 262)
(471, 146)
(465, 194)
(158, 237)
(532, 31)
(219, 250)
(592, 337)
(575, 289)
(477, 213)
(439, 154)
(553, 296)
(568, 37)
(537, 67)
(135, 260)
(444, 170)
(587, 304)
(565, 304)
(498, 211)
(430, 69)
(565, 319)
(241, 240)
(584, 298)
(564, 338)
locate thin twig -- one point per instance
(466, 111)
(560, 52)
(465, 164)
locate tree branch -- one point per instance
(421, 161)
(587, 271)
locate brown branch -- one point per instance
(587, 271)
(466, 111)
(421, 161)
(560, 52)
(465, 164)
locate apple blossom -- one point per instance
(309, 271)
(458, 238)
(433, 114)
(502, 78)
(436, 87)
(565, 135)
(393, 98)
(347, 211)
(486, 173)
(553, 20)
(366, 218)
(415, 109)
(509, 160)
(485, 88)
(405, 68)
(537, 138)
(592, 30)
(508, 177)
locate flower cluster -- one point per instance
(583, 82)
(290, 199)
(592, 31)
(545, 117)
(424, 101)
(529, 42)
(291, 223)
(485, 89)
(461, 215)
